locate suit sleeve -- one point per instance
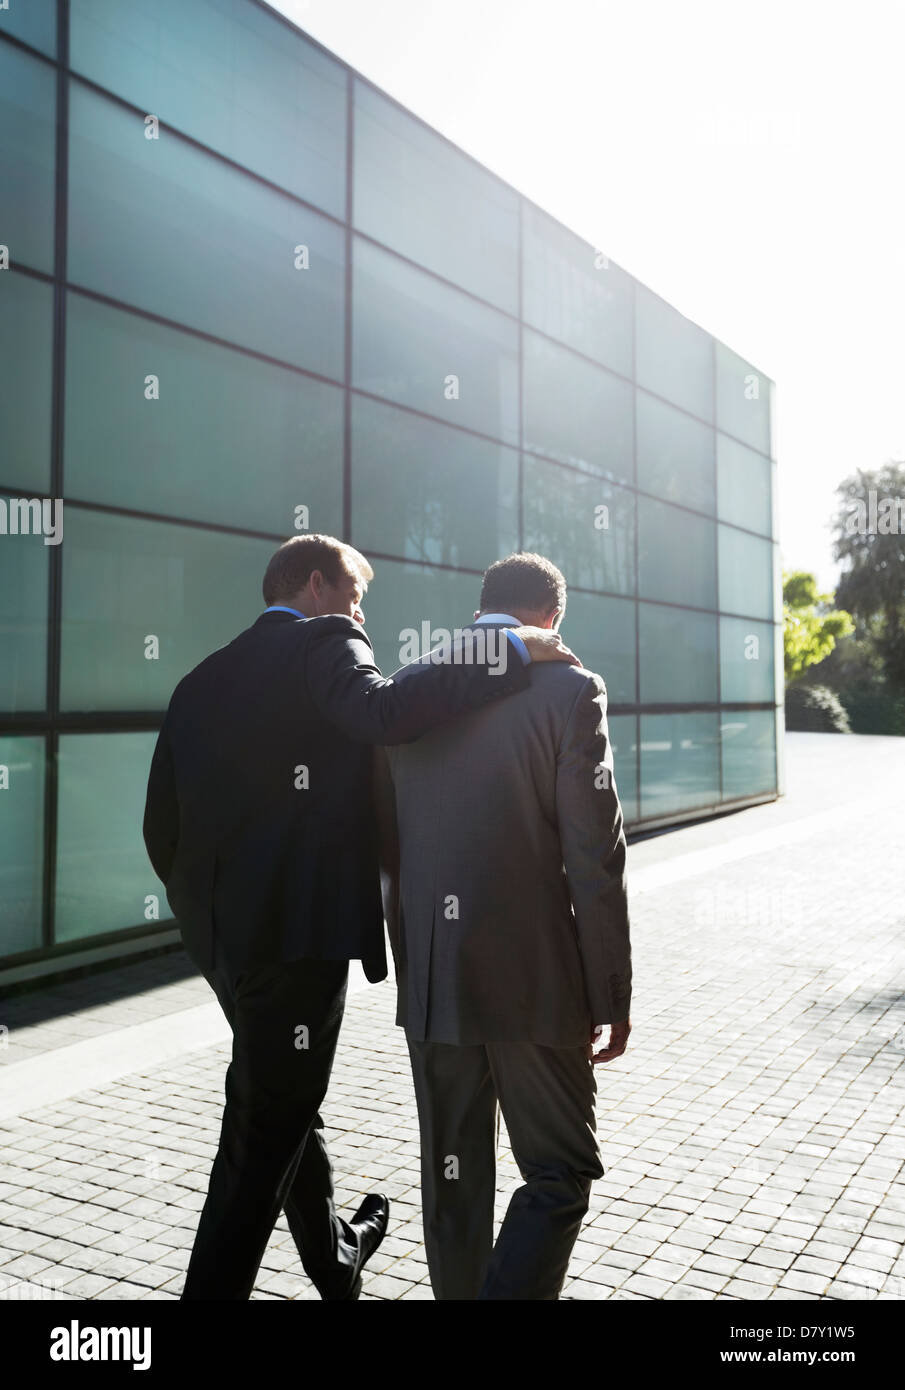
(593, 843)
(388, 840)
(349, 690)
(161, 821)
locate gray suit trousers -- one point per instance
(547, 1098)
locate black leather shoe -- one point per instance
(370, 1225)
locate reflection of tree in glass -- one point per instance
(560, 516)
(459, 504)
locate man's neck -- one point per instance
(522, 619)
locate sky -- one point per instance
(745, 161)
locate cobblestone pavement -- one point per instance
(752, 1136)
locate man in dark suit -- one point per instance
(509, 926)
(260, 821)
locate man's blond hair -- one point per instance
(293, 564)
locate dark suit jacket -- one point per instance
(511, 920)
(259, 816)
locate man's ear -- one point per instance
(552, 619)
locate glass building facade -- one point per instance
(246, 294)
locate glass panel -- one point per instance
(418, 194)
(21, 843)
(126, 581)
(576, 412)
(24, 571)
(32, 21)
(746, 574)
(415, 486)
(679, 762)
(26, 363)
(749, 752)
(424, 344)
(676, 555)
(742, 399)
(746, 661)
(231, 440)
(575, 293)
(678, 655)
(744, 486)
(159, 224)
(28, 103)
(232, 76)
(623, 730)
(601, 633)
(103, 873)
(675, 454)
(583, 524)
(406, 603)
(674, 358)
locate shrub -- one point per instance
(815, 709)
(873, 708)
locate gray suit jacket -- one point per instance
(504, 851)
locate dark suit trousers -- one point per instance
(272, 1153)
(547, 1098)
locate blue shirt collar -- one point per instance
(281, 608)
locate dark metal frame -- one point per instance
(58, 386)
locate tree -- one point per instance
(870, 539)
(811, 626)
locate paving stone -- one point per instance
(422, 1292)
(669, 1269)
(645, 1284)
(385, 1286)
(611, 1276)
(804, 1282)
(812, 1264)
(689, 1292)
(717, 1264)
(704, 1279)
(745, 1289)
(77, 1284)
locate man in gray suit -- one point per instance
(509, 924)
